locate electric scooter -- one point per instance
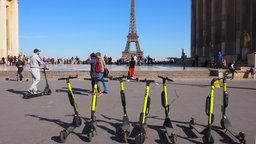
(167, 122)
(207, 138)
(92, 125)
(126, 130)
(76, 119)
(140, 137)
(47, 90)
(225, 123)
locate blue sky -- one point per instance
(62, 28)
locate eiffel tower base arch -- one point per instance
(126, 55)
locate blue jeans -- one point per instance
(104, 83)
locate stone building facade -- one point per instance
(226, 25)
(9, 41)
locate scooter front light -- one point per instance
(216, 84)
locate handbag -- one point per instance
(106, 72)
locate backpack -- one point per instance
(98, 67)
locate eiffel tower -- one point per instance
(132, 37)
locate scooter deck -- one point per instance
(28, 95)
(230, 128)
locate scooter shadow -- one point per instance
(225, 137)
(190, 135)
(118, 129)
(64, 125)
(86, 130)
(16, 92)
(76, 91)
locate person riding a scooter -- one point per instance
(34, 65)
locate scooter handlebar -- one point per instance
(95, 79)
(118, 78)
(70, 77)
(165, 78)
(148, 81)
(45, 68)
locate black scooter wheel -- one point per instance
(26, 95)
(90, 135)
(173, 138)
(208, 140)
(49, 92)
(63, 136)
(243, 141)
(140, 138)
(125, 137)
(222, 124)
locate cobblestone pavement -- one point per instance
(39, 120)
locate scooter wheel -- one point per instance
(140, 138)
(63, 136)
(222, 124)
(191, 122)
(26, 95)
(78, 121)
(90, 135)
(243, 141)
(207, 140)
(49, 92)
(173, 138)
(126, 138)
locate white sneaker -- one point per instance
(30, 91)
(37, 92)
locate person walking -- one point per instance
(219, 59)
(35, 63)
(252, 70)
(19, 65)
(232, 68)
(101, 74)
(131, 67)
(92, 60)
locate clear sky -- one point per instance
(62, 28)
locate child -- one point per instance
(252, 70)
(19, 65)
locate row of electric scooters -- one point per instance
(225, 123)
(141, 134)
(169, 130)
(126, 126)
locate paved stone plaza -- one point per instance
(39, 120)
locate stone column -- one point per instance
(3, 37)
(197, 27)
(223, 26)
(212, 43)
(12, 28)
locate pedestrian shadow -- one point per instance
(62, 124)
(22, 93)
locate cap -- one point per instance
(36, 50)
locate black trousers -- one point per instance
(19, 73)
